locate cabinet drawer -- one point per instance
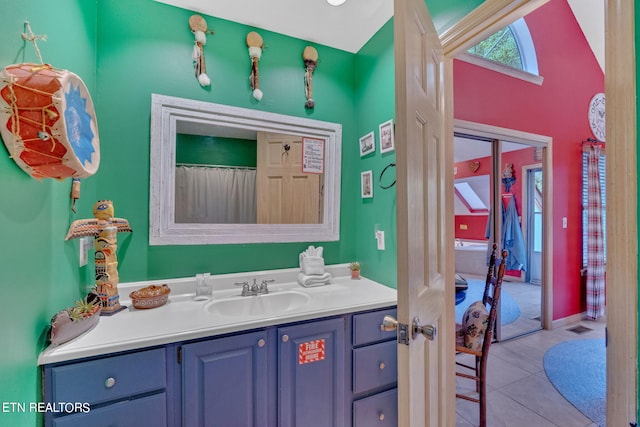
(375, 366)
(146, 411)
(379, 410)
(366, 327)
(109, 378)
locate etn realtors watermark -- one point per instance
(54, 407)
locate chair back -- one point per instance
(492, 289)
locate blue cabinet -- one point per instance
(117, 391)
(281, 376)
(225, 381)
(333, 372)
(374, 371)
(311, 369)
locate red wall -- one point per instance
(557, 108)
(477, 224)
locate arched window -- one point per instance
(509, 48)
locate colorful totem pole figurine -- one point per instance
(104, 228)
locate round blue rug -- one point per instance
(508, 306)
(577, 369)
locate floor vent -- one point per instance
(579, 329)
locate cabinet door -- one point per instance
(225, 381)
(145, 411)
(311, 374)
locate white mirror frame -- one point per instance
(166, 111)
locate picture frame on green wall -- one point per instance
(366, 184)
(387, 142)
(367, 144)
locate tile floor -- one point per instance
(529, 299)
(518, 392)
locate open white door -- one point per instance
(424, 178)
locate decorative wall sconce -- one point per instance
(199, 28)
(310, 57)
(255, 44)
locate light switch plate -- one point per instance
(380, 239)
(85, 245)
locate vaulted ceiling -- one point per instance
(349, 26)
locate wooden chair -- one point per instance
(478, 371)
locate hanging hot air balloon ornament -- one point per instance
(255, 45)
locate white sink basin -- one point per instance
(261, 305)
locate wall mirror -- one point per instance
(223, 174)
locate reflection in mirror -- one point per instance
(222, 174)
(240, 176)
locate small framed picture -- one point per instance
(366, 181)
(367, 144)
(387, 142)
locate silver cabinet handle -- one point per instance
(382, 365)
(110, 382)
(381, 416)
(285, 338)
(261, 342)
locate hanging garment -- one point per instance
(512, 238)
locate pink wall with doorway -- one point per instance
(557, 108)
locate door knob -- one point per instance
(429, 331)
(389, 323)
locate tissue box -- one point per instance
(312, 265)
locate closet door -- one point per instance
(520, 202)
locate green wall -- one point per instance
(376, 105)
(215, 150)
(40, 273)
(138, 57)
(124, 52)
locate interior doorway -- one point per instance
(483, 156)
(622, 195)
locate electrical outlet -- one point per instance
(564, 222)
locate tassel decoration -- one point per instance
(310, 57)
(255, 45)
(75, 193)
(199, 28)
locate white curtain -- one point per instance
(215, 195)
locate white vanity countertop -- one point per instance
(183, 319)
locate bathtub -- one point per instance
(471, 257)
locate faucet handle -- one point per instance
(245, 287)
(264, 286)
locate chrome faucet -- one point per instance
(254, 288)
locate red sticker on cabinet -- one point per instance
(311, 351)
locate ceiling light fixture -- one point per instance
(336, 2)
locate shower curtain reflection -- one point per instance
(215, 195)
